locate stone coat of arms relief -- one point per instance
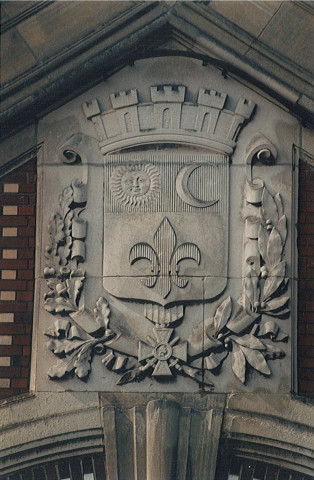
(165, 247)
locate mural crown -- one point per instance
(206, 122)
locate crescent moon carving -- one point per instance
(183, 189)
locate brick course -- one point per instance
(17, 233)
(306, 281)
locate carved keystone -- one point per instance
(165, 431)
(211, 98)
(168, 93)
(125, 98)
(162, 437)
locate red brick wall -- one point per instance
(17, 248)
(306, 282)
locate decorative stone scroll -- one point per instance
(166, 221)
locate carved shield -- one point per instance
(165, 226)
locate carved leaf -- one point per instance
(249, 292)
(61, 368)
(274, 247)
(209, 326)
(272, 352)
(74, 287)
(238, 362)
(274, 280)
(276, 303)
(66, 251)
(256, 360)
(279, 205)
(222, 314)
(198, 344)
(252, 291)
(242, 321)
(269, 207)
(102, 312)
(63, 346)
(282, 228)
(65, 200)
(68, 223)
(59, 305)
(83, 362)
(256, 287)
(263, 242)
(280, 313)
(59, 233)
(248, 341)
(55, 226)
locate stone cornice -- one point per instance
(76, 69)
(34, 8)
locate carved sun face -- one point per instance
(135, 184)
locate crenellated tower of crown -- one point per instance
(168, 118)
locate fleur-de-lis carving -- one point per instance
(165, 258)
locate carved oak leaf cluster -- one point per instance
(65, 283)
(65, 288)
(75, 346)
(249, 334)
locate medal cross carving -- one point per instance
(162, 352)
(165, 258)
